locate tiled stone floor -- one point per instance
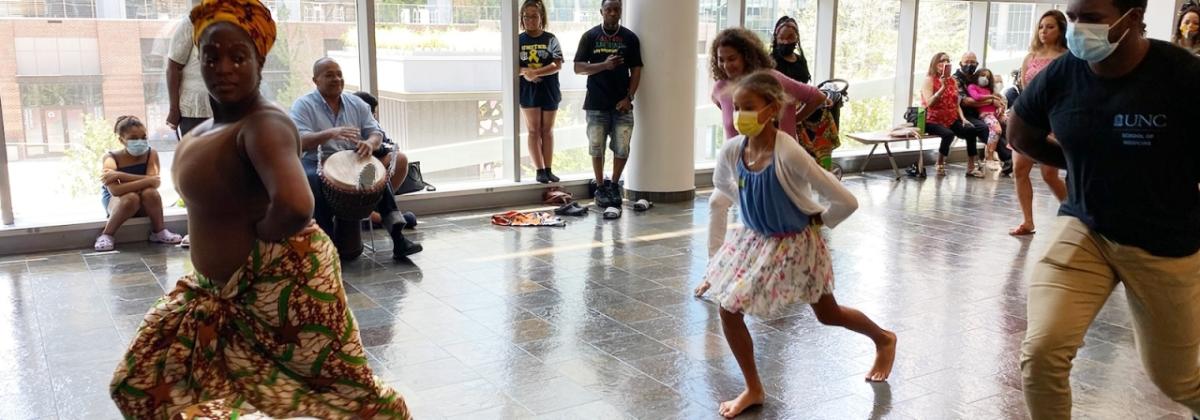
(594, 320)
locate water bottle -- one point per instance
(921, 120)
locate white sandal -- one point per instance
(103, 243)
(165, 237)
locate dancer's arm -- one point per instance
(724, 191)
(1029, 121)
(1033, 141)
(271, 142)
(808, 99)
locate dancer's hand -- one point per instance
(311, 228)
(703, 287)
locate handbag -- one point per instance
(415, 181)
(910, 115)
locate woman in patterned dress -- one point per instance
(779, 258)
(262, 327)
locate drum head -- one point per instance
(347, 171)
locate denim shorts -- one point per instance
(614, 125)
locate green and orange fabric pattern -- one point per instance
(277, 339)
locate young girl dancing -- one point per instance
(779, 258)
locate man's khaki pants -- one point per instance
(1070, 285)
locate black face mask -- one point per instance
(969, 69)
(785, 49)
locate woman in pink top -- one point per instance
(737, 52)
(1049, 43)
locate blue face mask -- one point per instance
(137, 147)
(1089, 41)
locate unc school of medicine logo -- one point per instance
(1140, 121)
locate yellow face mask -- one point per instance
(1187, 29)
(747, 123)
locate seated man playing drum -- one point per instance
(332, 121)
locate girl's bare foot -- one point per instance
(703, 287)
(731, 409)
(885, 356)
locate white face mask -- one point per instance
(1089, 41)
(983, 81)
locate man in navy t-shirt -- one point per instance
(611, 57)
(1123, 110)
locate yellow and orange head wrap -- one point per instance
(250, 15)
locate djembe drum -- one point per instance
(352, 187)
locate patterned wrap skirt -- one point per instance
(760, 275)
(278, 339)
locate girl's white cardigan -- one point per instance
(797, 171)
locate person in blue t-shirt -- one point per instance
(610, 55)
(541, 58)
(1132, 214)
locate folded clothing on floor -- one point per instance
(537, 218)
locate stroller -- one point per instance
(819, 133)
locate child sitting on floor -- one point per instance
(130, 178)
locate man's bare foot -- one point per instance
(703, 287)
(885, 356)
(731, 409)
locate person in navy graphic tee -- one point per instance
(1132, 214)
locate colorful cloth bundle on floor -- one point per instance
(537, 218)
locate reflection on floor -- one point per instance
(594, 320)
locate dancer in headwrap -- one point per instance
(262, 327)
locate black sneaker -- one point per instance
(405, 248)
(915, 172)
(550, 175)
(401, 246)
(541, 177)
(617, 193)
(592, 187)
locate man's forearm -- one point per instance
(973, 103)
(174, 83)
(1045, 152)
(635, 80)
(588, 69)
(310, 141)
(1033, 142)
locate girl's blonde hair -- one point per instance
(763, 83)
